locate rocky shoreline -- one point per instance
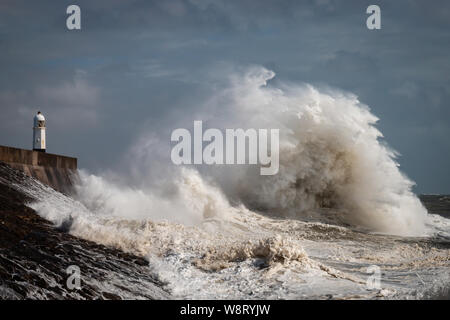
(34, 257)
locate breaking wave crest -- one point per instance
(269, 251)
(331, 156)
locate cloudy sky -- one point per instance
(137, 62)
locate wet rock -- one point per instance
(35, 256)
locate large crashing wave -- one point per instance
(330, 156)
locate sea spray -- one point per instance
(330, 157)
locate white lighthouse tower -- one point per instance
(39, 132)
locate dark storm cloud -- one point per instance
(134, 63)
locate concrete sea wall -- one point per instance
(59, 172)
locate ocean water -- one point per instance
(338, 221)
(251, 255)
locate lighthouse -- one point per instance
(39, 132)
